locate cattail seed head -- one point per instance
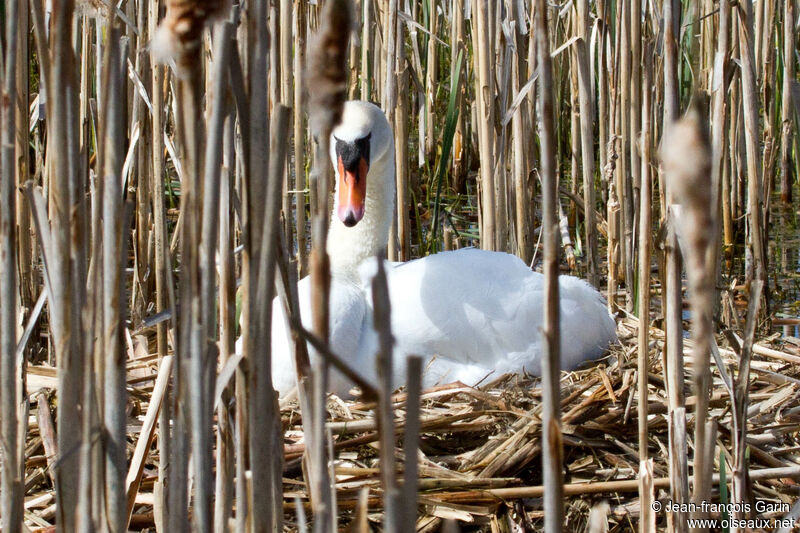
(686, 156)
(327, 66)
(182, 27)
(686, 159)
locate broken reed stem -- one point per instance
(408, 507)
(145, 441)
(598, 487)
(552, 451)
(12, 480)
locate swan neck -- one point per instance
(349, 247)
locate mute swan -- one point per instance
(477, 311)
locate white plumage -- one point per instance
(469, 313)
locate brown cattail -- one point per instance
(686, 158)
(327, 58)
(182, 27)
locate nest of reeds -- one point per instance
(479, 456)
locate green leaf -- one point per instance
(447, 141)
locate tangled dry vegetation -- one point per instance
(480, 453)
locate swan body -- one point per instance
(468, 313)
(480, 312)
(348, 320)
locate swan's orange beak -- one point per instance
(352, 192)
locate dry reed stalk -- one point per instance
(520, 173)
(587, 141)
(264, 413)
(401, 121)
(647, 522)
(225, 467)
(299, 21)
(327, 85)
(624, 194)
(254, 384)
(741, 402)
(602, 95)
(721, 178)
(366, 24)
(787, 109)
(203, 364)
(571, 70)
(552, 458)
(499, 170)
(484, 87)
(519, 133)
(179, 37)
(163, 285)
(114, 386)
(752, 139)
(140, 117)
(286, 98)
(136, 469)
(457, 44)
(190, 334)
(12, 476)
(28, 286)
(672, 20)
(391, 29)
(408, 508)
(672, 279)
(64, 322)
(686, 159)
(674, 363)
(635, 107)
(393, 511)
(431, 71)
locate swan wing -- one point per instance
(480, 312)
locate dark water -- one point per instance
(784, 259)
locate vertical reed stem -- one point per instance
(786, 104)
(552, 459)
(12, 473)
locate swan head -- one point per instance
(362, 154)
(362, 140)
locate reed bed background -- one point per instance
(161, 165)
